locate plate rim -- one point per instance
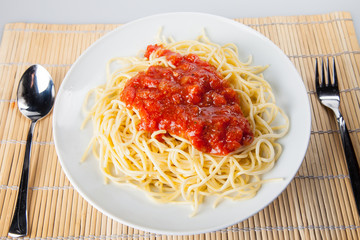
(129, 24)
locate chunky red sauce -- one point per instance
(191, 100)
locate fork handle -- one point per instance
(352, 163)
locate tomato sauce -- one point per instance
(192, 101)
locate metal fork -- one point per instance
(328, 94)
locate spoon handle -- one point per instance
(18, 227)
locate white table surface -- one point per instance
(122, 11)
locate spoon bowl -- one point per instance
(36, 93)
(35, 99)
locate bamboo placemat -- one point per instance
(318, 203)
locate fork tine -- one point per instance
(316, 74)
(329, 82)
(335, 75)
(322, 81)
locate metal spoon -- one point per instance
(35, 99)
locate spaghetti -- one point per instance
(167, 166)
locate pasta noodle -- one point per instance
(173, 170)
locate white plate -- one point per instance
(129, 205)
